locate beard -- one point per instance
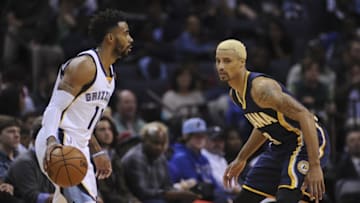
(224, 77)
(120, 51)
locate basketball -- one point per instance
(67, 166)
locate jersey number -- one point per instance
(94, 116)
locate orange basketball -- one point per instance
(67, 166)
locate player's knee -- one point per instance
(248, 197)
(288, 196)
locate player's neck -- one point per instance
(106, 57)
(238, 82)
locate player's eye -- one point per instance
(227, 60)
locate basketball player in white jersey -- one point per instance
(81, 93)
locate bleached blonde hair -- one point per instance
(233, 44)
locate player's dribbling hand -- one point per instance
(51, 145)
(232, 173)
(314, 183)
(103, 166)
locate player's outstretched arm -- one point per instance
(267, 93)
(232, 172)
(80, 71)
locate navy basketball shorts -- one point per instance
(284, 165)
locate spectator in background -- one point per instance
(127, 122)
(72, 20)
(9, 141)
(348, 166)
(191, 43)
(348, 169)
(30, 184)
(12, 100)
(151, 68)
(348, 97)
(278, 42)
(112, 189)
(27, 22)
(32, 28)
(146, 171)
(28, 120)
(233, 143)
(105, 132)
(182, 100)
(214, 152)
(311, 91)
(187, 162)
(314, 51)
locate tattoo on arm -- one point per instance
(268, 94)
(289, 106)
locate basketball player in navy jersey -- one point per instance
(291, 166)
(82, 91)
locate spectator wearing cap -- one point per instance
(188, 162)
(215, 153)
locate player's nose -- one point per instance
(131, 40)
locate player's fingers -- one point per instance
(226, 182)
(100, 175)
(311, 190)
(108, 173)
(229, 178)
(320, 190)
(304, 186)
(315, 191)
(323, 188)
(236, 180)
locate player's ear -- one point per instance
(110, 37)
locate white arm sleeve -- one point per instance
(59, 101)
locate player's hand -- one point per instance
(232, 173)
(314, 183)
(51, 145)
(103, 166)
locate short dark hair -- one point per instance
(102, 22)
(8, 121)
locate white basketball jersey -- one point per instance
(80, 117)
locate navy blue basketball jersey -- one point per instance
(284, 163)
(273, 124)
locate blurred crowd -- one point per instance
(171, 128)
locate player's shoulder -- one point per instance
(82, 62)
(82, 65)
(81, 69)
(265, 90)
(262, 83)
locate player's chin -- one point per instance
(126, 52)
(223, 79)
